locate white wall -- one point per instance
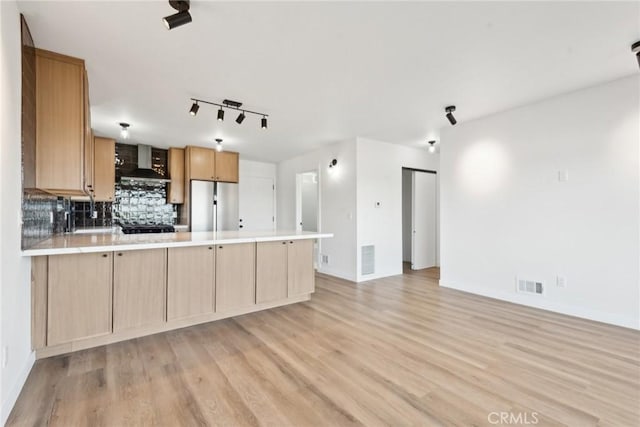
(406, 215)
(504, 212)
(379, 177)
(337, 188)
(14, 270)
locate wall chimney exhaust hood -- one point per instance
(144, 173)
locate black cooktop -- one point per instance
(147, 228)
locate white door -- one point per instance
(256, 203)
(423, 220)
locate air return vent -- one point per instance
(528, 286)
(368, 259)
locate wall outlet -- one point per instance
(325, 259)
(563, 176)
(94, 214)
(561, 281)
(5, 356)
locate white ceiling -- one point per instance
(325, 72)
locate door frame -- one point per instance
(299, 198)
(437, 201)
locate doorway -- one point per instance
(419, 218)
(308, 207)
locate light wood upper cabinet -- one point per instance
(79, 297)
(202, 163)
(271, 271)
(89, 142)
(61, 124)
(190, 281)
(226, 169)
(104, 169)
(300, 267)
(175, 189)
(235, 276)
(139, 288)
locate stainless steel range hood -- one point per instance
(144, 173)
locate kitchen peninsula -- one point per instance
(93, 289)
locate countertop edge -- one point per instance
(161, 245)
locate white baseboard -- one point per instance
(544, 304)
(335, 273)
(9, 400)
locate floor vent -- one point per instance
(368, 259)
(530, 286)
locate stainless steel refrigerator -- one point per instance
(214, 206)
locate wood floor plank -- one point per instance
(393, 351)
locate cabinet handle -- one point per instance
(210, 247)
(104, 255)
(219, 247)
(284, 243)
(120, 254)
(291, 242)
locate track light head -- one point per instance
(432, 146)
(263, 123)
(182, 17)
(218, 144)
(220, 114)
(450, 109)
(194, 109)
(635, 48)
(240, 118)
(124, 130)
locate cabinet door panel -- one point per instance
(175, 189)
(104, 169)
(139, 280)
(79, 300)
(271, 271)
(235, 276)
(190, 281)
(227, 166)
(202, 163)
(300, 266)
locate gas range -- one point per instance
(147, 228)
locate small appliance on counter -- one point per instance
(147, 228)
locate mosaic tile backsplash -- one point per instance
(37, 211)
(142, 203)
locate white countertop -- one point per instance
(106, 242)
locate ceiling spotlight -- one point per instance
(124, 130)
(432, 146)
(194, 109)
(220, 114)
(240, 118)
(218, 144)
(450, 109)
(635, 48)
(182, 17)
(263, 123)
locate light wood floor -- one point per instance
(395, 351)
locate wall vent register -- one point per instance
(530, 286)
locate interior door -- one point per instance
(256, 203)
(423, 220)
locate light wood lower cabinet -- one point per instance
(139, 288)
(271, 271)
(190, 281)
(284, 269)
(79, 297)
(302, 278)
(235, 276)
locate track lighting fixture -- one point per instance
(182, 17)
(450, 109)
(432, 146)
(232, 105)
(194, 109)
(635, 48)
(218, 144)
(124, 130)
